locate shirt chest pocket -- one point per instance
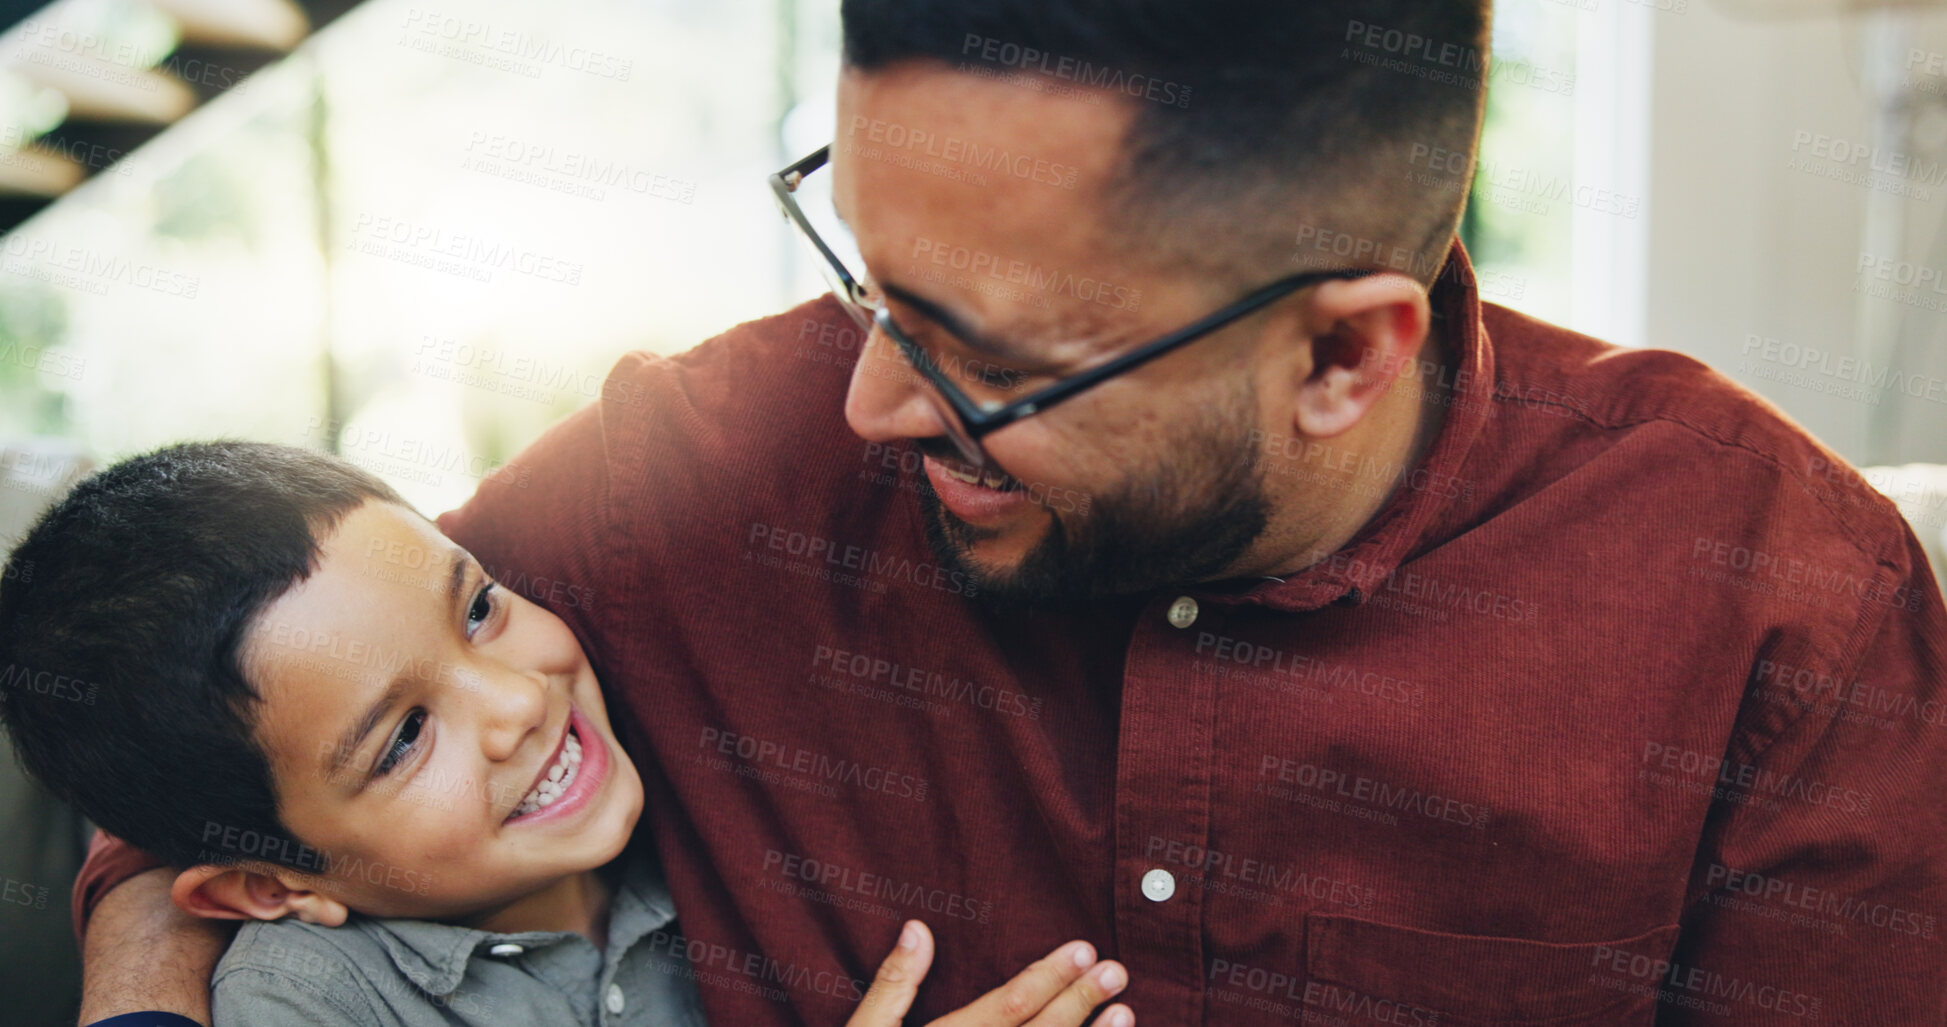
(1479, 980)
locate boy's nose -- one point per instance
(513, 705)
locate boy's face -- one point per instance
(410, 707)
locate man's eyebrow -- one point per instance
(354, 736)
(955, 324)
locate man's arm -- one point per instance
(1820, 893)
(142, 953)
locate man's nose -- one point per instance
(888, 400)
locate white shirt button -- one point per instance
(1183, 612)
(614, 1000)
(506, 948)
(1159, 885)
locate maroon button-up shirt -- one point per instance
(1627, 708)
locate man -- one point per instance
(1357, 651)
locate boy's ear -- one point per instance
(239, 893)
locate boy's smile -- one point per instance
(569, 779)
(442, 741)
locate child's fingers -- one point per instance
(1018, 1001)
(1077, 1002)
(897, 982)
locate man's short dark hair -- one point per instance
(1283, 114)
(120, 675)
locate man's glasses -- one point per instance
(965, 420)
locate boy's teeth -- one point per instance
(560, 776)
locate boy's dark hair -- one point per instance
(120, 679)
(1266, 116)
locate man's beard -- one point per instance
(1186, 521)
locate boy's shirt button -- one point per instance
(506, 948)
(614, 1000)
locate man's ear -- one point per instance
(1365, 333)
(242, 893)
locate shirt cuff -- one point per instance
(148, 1019)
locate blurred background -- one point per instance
(416, 235)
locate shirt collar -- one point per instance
(1400, 527)
(434, 956)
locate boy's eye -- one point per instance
(482, 608)
(402, 742)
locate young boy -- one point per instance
(401, 776)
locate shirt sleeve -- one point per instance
(1816, 893)
(147, 1018)
(252, 997)
(110, 862)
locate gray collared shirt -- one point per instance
(389, 972)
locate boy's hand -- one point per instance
(1061, 990)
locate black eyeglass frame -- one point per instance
(979, 420)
